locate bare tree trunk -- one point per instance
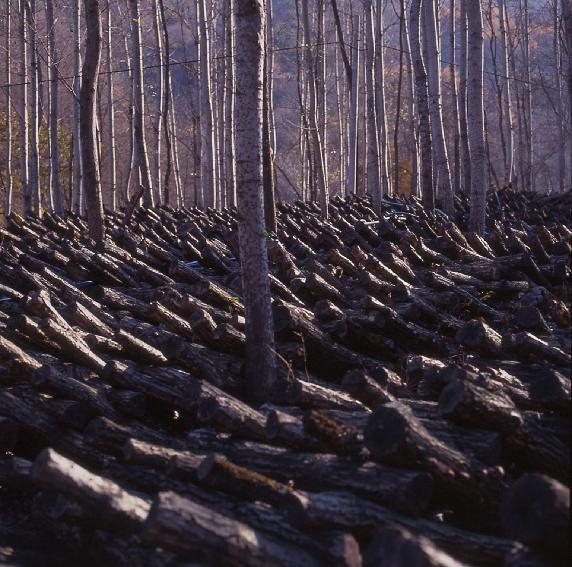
(316, 142)
(260, 369)
(422, 94)
(111, 118)
(208, 179)
(463, 103)
(396, 156)
(441, 159)
(230, 180)
(23, 107)
(8, 90)
(567, 17)
(77, 192)
(138, 107)
(527, 96)
(559, 100)
(55, 181)
(381, 112)
(507, 97)
(412, 114)
(475, 117)
(373, 151)
(89, 80)
(351, 182)
(36, 198)
(158, 142)
(454, 100)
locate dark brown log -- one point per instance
(527, 346)
(397, 546)
(359, 384)
(481, 338)
(342, 438)
(139, 349)
(536, 511)
(87, 320)
(120, 509)
(187, 527)
(129, 403)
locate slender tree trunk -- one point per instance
(58, 198)
(567, 17)
(559, 100)
(527, 96)
(158, 142)
(507, 97)
(111, 117)
(36, 199)
(422, 94)
(77, 193)
(340, 33)
(463, 103)
(230, 179)
(454, 100)
(139, 107)
(208, 180)
(351, 182)
(381, 112)
(8, 91)
(260, 369)
(441, 159)
(475, 117)
(317, 149)
(396, 156)
(373, 152)
(412, 115)
(89, 80)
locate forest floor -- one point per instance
(422, 408)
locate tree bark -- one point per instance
(260, 370)
(111, 118)
(351, 181)
(422, 94)
(139, 106)
(475, 117)
(77, 191)
(8, 90)
(89, 81)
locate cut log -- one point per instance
(536, 511)
(481, 338)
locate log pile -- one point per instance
(422, 416)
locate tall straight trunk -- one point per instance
(559, 100)
(89, 81)
(267, 167)
(58, 197)
(373, 152)
(158, 142)
(139, 107)
(507, 96)
(111, 117)
(341, 123)
(260, 367)
(230, 179)
(221, 68)
(342, 44)
(527, 95)
(441, 159)
(396, 156)
(23, 119)
(8, 92)
(351, 182)
(475, 117)
(463, 102)
(321, 80)
(208, 179)
(165, 108)
(567, 18)
(35, 192)
(422, 94)
(413, 140)
(77, 192)
(317, 149)
(454, 99)
(381, 113)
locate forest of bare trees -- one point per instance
(371, 97)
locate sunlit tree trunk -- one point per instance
(54, 157)
(111, 117)
(230, 179)
(527, 95)
(507, 96)
(8, 92)
(463, 103)
(475, 117)
(422, 95)
(158, 141)
(559, 100)
(260, 368)
(454, 99)
(567, 18)
(77, 191)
